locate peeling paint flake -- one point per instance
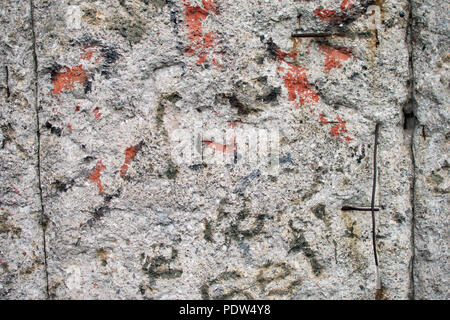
(96, 174)
(64, 81)
(130, 153)
(335, 56)
(195, 15)
(295, 80)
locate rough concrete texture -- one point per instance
(124, 219)
(430, 54)
(22, 259)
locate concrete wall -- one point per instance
(135, 163)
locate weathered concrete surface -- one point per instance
(127, 220)
(431, 48)
(22, 273)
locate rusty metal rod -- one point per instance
(351, 208)
(378, 281)
(317, 35)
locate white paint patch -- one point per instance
(73, 280)
(73, 17)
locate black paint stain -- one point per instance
(207, 233)
(8, 93)
(272, 95)
(61, 186)
(301, 244)
(54, 130)
(236, 104)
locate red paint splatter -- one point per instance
(334, 56)
(195, 15)
(130, 153)
(96, 113)
(346, 4)
(77, 108)
(224, 148)
(322, 118)
(202, 58)
(233, 124)
(96, 174)
(331, 15)
(338, 129)
(295, 80)
(326, 15)
(298, 86)
(65, 80)
(218, 66)
(209, 39)
(87, 53)
(69, 126)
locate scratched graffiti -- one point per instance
(277, 279)
(163, 264)
(273, 279)
(227, 285)
(238, 225)
(299, 243)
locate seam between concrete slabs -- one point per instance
(411, 294)
(43, 217)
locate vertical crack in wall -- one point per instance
(412, 112)
(43, 217)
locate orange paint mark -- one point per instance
(96, 174)
(130, 153)
(69, 126)
(224, 148)
(334, 56)
(195, 15)
(96, 113)
(65, 80)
